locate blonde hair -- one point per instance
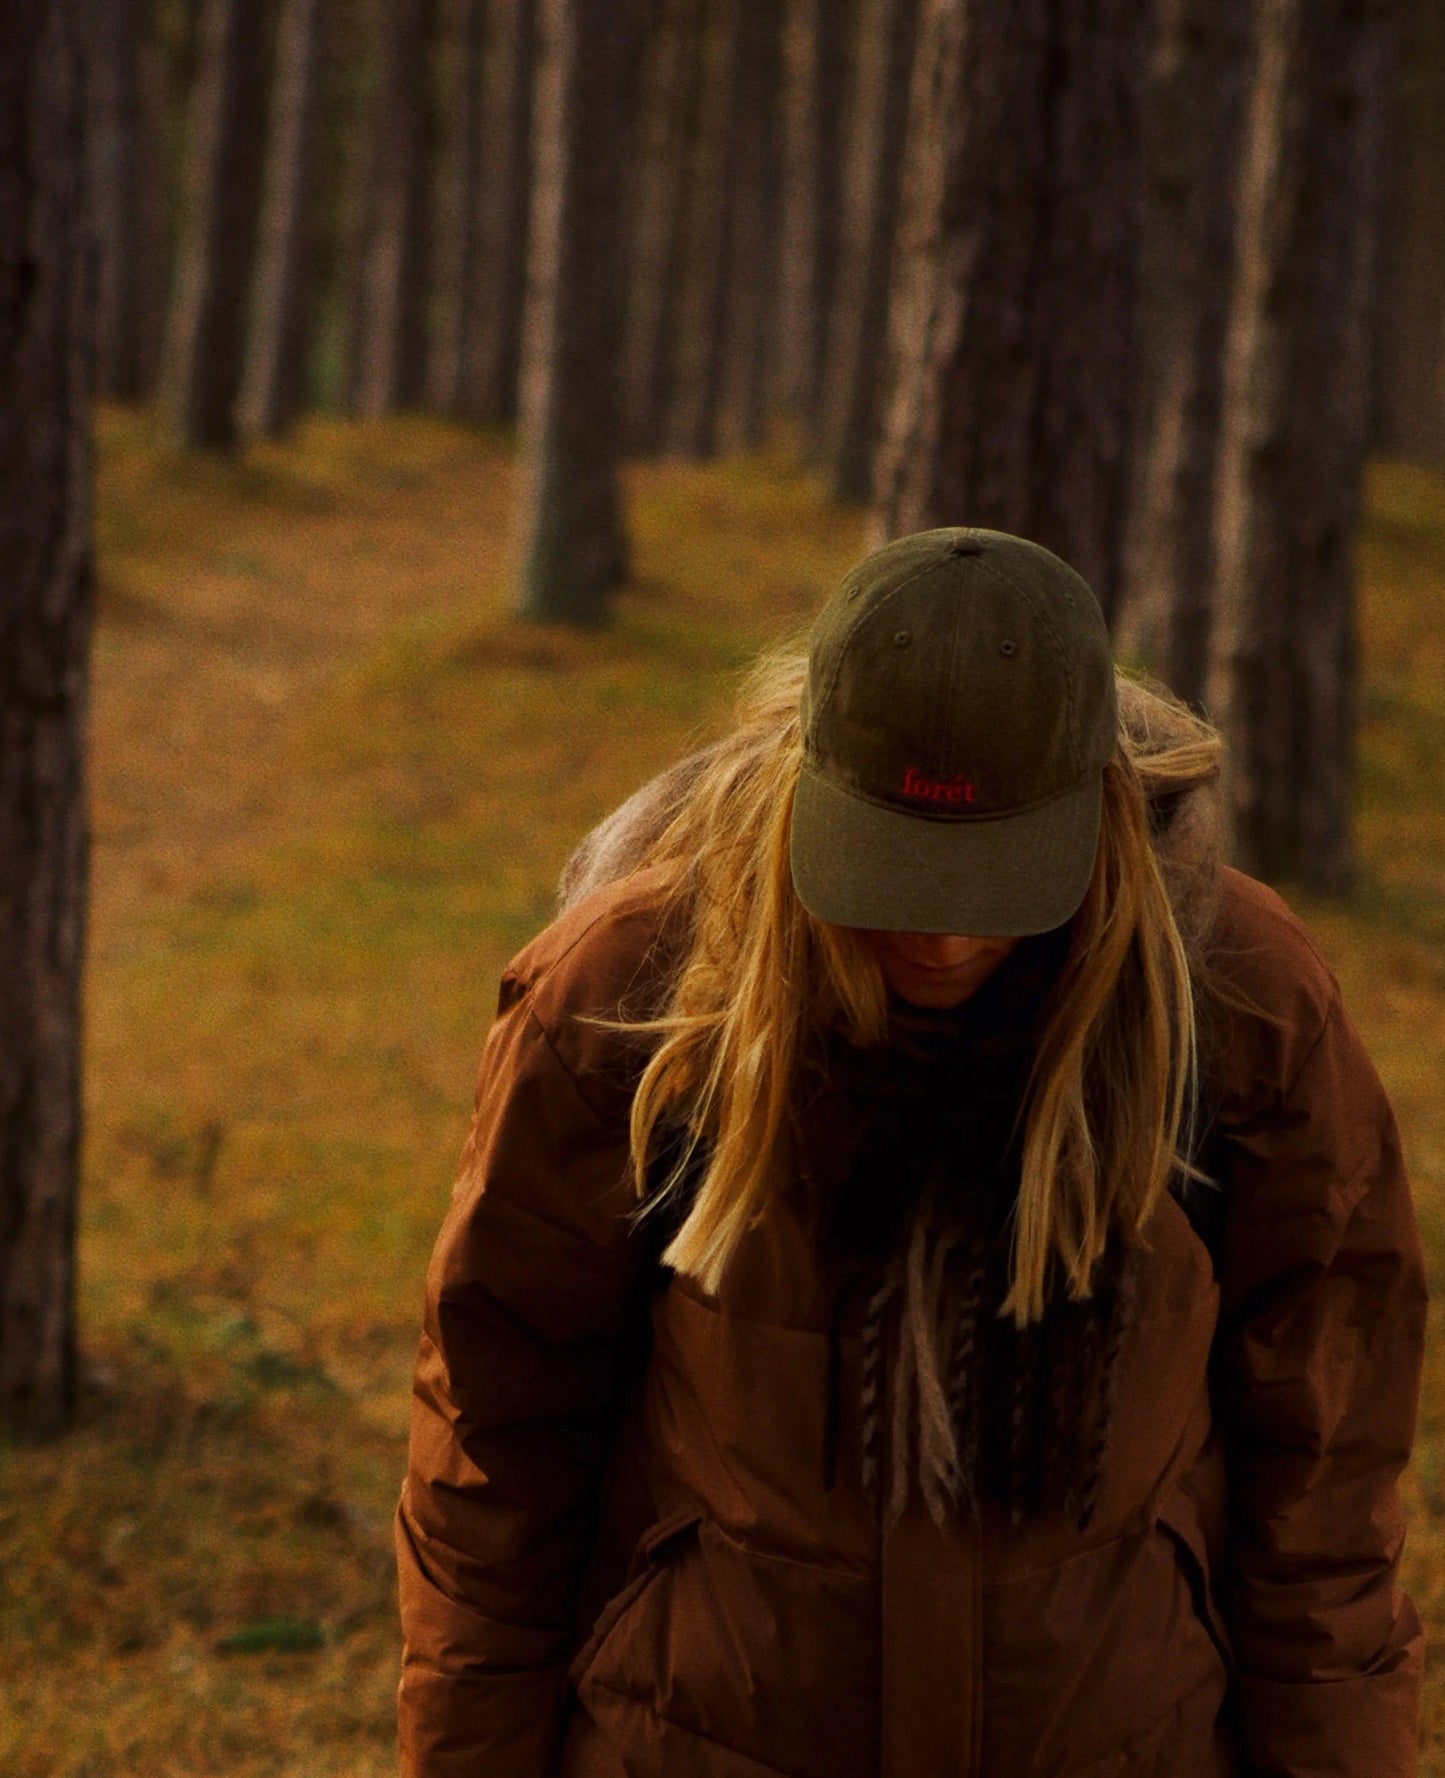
(1108, 1111)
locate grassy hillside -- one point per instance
(333, 788)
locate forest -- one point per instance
(414, 414)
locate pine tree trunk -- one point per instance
(459, 215)
(704, 301)
(672, 85)
(129, 195)
(754, 272)
(390, 353)
(1194, 119)
(46, 598)
(857, 367)
(206, 333)
(818, 71)
(1012, 309)
(506, 219)
(1411, 411)
(733, 239)
(1296, 409)
(283, 309)
(574, 544)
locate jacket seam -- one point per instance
(1153, 1728)
(613, 1127)
(752, 1553)
(539, 972)
(1331, 1005)
(641, 1703)
(614, 1130)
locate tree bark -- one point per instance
(391, 343)
(728, 298)
(126, 117)
(818, 40)
(753, 273)
(857, 367)
(283, 310)
(1011, 313)
(1198, 85)
(46, 599)
(206, 332)
(506, 219)
(574, 542)
(1411, 384)
(1281, 678)
(459, 219)
(672, 85)
(705, 296)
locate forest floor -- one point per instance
(333, 787)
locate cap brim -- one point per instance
(859, 863)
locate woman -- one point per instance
(931, 1287)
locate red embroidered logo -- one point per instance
(951, 792)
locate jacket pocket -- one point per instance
(1178, 1518)
(1084, 1661)
(647, 1563)
(772, 1664)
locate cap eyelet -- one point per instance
(1008, 647)
(902, 639)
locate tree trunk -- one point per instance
(574, 546)
(818, 39)
(459, 216)
(1296, 409)
(390, 354)
(857, 368)
(705, 296)
(126, 119)
(672, 85)
(1011, 312)
(728, 297)
(344, 196)
(283, 310)
(206, 333)
(754, 270)
(1411, 384)
(1194, 120)
(46, 599)
(506, 218)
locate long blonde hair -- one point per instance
(1108, 1110)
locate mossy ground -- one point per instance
(333, 786)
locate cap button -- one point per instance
(965, 548)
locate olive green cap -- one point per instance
(958, 712)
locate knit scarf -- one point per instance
(914, 1209)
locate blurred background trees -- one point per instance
(1013, 264)
(1411, 337)
(1009, 242)
(1143, 279)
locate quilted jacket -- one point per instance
(622, 1552)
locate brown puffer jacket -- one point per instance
(620, 1552)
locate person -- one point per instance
(931, 1286)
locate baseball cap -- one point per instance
(957, 714)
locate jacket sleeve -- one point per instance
(527, 1300)
(1321, 1340)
